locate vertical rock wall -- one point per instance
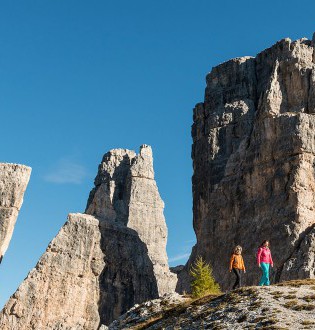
(253, 158)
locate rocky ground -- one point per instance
(289, 305)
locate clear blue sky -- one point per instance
(78, 78)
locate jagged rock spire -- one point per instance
(102, 263)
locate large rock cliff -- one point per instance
(13, 182)
(102, 263)
(254, 162)
(126, 193)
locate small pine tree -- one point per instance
(203, 282)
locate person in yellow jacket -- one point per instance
(237, 265)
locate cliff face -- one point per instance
(62, 291)
(13, 182)
(126, 193)
(253, 158)
(102, 263)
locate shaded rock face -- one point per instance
(128, 276)
(13, 182)
(253, 157)
(100, 264)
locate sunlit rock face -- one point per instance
(102, 262)
(253, 158)
(14, 179)
(126, 193)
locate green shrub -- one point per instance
(203, 282)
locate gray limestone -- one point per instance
(103, 262)
(13, 182)
(253, 157)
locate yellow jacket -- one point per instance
(237, 262)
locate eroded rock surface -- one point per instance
(289, 306)
(13, 182)
(102, 263)
(62, 291)
(253, 157)
(126, 193)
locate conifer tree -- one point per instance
(203, 282)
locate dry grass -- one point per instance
(297, 283)
(304, 307)
(293, 304)
(221, 303)
(307, 322)
(309, 298)
(289, 296)
(290, 304)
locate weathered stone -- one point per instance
(13, 182)
(140, 315)
(126, 192)
(289, 306)
(62, 291)
(253, 158)
(103, 263)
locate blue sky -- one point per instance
(78, 78)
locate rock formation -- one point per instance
(13, 182)
(62, 291)
(126, 193)
(101, 263)
(253, 157)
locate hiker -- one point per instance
(264, 261)
(237, 265)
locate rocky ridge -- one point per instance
(102, 263)
(290, 305)
(14, 179)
